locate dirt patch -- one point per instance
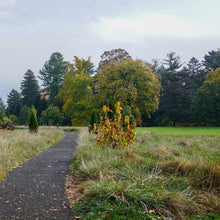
(74, 189)
(75, 192)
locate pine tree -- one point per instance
(14, 103)
(172, 63)
(2, 108)
(212, 60)
(178, 90)
(196, 71)
(52, 76)
(29, 89)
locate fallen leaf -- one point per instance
(108, 216)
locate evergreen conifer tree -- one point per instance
(14, 103)
(29, 89)
(52, 75)
(33, 123)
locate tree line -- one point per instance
(158, 93)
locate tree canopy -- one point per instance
(212, 60)
(29, 89)
(206, 104)
(196, 71)
(76, 93)
(166, 92)
(130, 82)
(14, 103)
(52, 116)
(116, 55)
(178, 90)
(23, 115)
(2, 108)
(52, 75)
(172, 62)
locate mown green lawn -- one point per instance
(182, 130)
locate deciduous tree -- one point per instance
(130, 82)
(116, 55)
(52, 116)
(76, 93)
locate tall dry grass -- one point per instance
(168, 176)
(19, 146)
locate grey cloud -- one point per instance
(6, 3)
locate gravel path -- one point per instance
(36, 190)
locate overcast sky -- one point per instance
(31, 30)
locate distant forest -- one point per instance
(160, 93)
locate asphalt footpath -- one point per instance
(36, 190)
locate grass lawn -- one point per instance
(168, 173)
(18, 146)
(182, 130)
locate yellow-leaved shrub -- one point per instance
(114, 131)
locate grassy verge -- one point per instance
(161, 176)
(19, 146)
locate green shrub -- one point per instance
(52, 116)
(14, 119)
(94, 118)
(6, 119)
(33, 123)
